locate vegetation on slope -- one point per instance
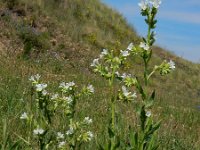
(59, 39)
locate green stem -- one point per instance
(145, 72)
(112, 106)
(146, 59)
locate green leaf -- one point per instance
(143, 117)
(117, 144)
(140, 89)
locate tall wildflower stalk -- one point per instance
(108, 65)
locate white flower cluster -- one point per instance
(144, 4)
(40, 87)
(67, 86)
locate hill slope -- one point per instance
(59, 39)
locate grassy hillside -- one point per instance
(59, 40)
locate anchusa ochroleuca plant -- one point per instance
(51, 120)
(108, 65)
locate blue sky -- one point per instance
(178, 28)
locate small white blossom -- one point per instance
(125, 91)
(55, 96)
(143, 4)
(148, 113)
(156, 3)
(40, 87)
(134, 95)
(104, 53)
(90, 88)
(38, 131)
(124, 53)
(67, 86)
(117, 74)
(95, 62)
(130, 46)
(127, 94)
(70, 131)
(90, 135)
(171, 65)
(144, 46)
(24, 116)
(34, 78)
(61, 144)
(60, 135)
(87, 120)
(124, 75)
(68, 99)
(44, 92)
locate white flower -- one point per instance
(143, 4)
(148, 113)
(104, 53)
(60, 135)
(71, 83)
(95, 62)
(124, 75)
(87, 120)
(55, 96)
(61, 144)
(38, 131)
(40, 87)
(117, 74)
(125, 91)
(144, 46)
(134, 95)
(156, 3)
(24, 116)
(130, 46)
(68, 99)
(44, 92)
(124, 53)
(171, 65)
(90, 135)
(90, 88)
(67, 86)
(127, 94)
(70, 131)
(34, 78)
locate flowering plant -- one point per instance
(48, 107)
(108, 65)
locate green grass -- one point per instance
(79, 32)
